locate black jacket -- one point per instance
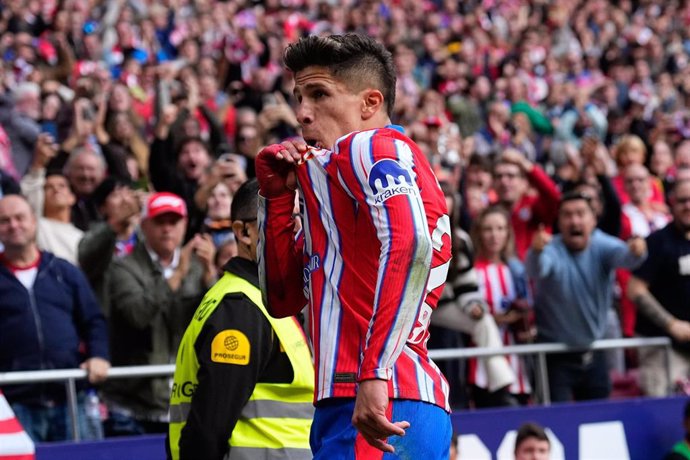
(224, 389)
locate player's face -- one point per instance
(327, 109)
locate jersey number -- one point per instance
(436, 279)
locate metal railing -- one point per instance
(542, 349)
(70, 376)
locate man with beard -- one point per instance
(660, 289)
(573, 275)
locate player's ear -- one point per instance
(372, 102)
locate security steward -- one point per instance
(244, 381)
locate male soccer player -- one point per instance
(373, 257)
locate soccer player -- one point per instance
(372, 259)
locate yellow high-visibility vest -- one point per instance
(276, 421)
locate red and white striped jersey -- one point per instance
(498, 288)
(15, 443)
(371, 263)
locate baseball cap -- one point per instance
(433, 121)
(164, 202)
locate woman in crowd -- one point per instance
(503, 283)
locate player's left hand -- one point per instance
(369, 416)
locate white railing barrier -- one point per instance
(69, 376)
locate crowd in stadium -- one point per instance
(113, 112)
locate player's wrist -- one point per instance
(375, 374)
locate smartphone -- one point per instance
(234, 158)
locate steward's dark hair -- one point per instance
(357, 60)
(245, 202)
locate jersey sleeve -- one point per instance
(280, 257)
(381, 175)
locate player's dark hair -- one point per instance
(245, 202)
(357, 60)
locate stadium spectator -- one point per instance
(632, 150)
(640, 216)
(19, 114)
(573, 276)
(217, 223)
(659, 289)
(56, 233)
(182, 174)
(515, 178)
(462, 308)
(47, 311)
(153, 293)
(503, 283)
(85, 170)
(113, 238)
(532, 443)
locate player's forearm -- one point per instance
(280, 260)
(401, 292)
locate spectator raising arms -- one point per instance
(528, 194)
(573, 275)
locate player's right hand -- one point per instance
(275, 167)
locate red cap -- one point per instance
(433, 121)
(164, 202)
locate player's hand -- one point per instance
(541, 239)
(275, 167)
(637, 246)
(369, 416)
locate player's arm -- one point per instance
(225, 383)
(399, 217)
(279, 253)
